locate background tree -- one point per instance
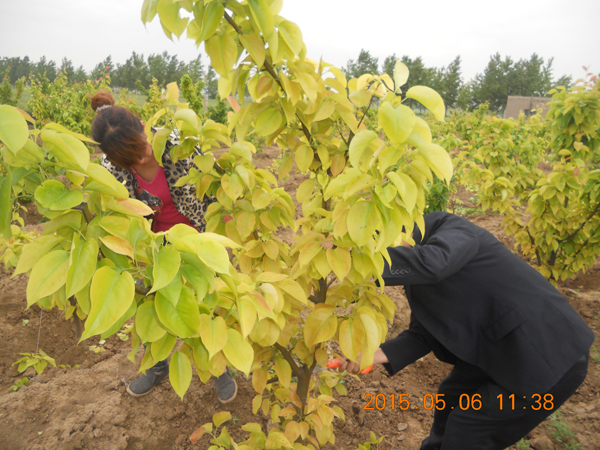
(364, 64)
(211, 83)
(103, 67)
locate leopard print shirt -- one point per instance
(184, 197)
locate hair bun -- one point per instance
(102, 98)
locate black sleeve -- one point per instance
(406, 348)
(445, 249)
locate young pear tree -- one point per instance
(276, 309)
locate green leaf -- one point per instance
(111, 295)
(5, 205)
(213, 332)
(238, 351)
(101, 180)
(268, 122)
(13, 128)
(162, 348)
(47, 276)
(166, 266)
(172, 291)
(429, 99)
(211, 20)
(182, 320)
(397, 123)
(32, 252)
(54, 195)
(159, 142)
(180, 373)
(321, 325)
(363, 220)
(119, 323)
(147, 324)
(67, 149)
(82, 265)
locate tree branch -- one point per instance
(271, 70)
(290, 359)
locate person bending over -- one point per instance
(518, 347)
(129, 157)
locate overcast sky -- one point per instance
(87, 31)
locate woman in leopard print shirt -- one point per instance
(129, 157)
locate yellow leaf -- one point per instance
(309, 85)
(371, 342)
(304, 157)
(180, 373)
(213, 332)
(118, 245)
(291, 35)
(166, 266)
(363, 220)
(255, 46)
(13, 128)
(351, 338)
(400, 75)
(397, 123)
(283, 371)
(111, 295)
(340, 261)
(238, 351)
(263, 16)
(223, 53)
(430, 99)
(321, 325)
(359, 144)
(439, 161)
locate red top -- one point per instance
(167, 215)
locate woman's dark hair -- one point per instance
(118, 131)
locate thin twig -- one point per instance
(37, 347)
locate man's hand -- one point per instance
(354, 367)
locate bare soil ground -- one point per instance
(87, 407)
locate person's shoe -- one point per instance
(153, 376)
(226, 387)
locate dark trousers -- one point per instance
(459, 426)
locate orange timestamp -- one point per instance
(465, 401)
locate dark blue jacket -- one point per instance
(472, 299)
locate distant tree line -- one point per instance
(501, 77)
(136, 73)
